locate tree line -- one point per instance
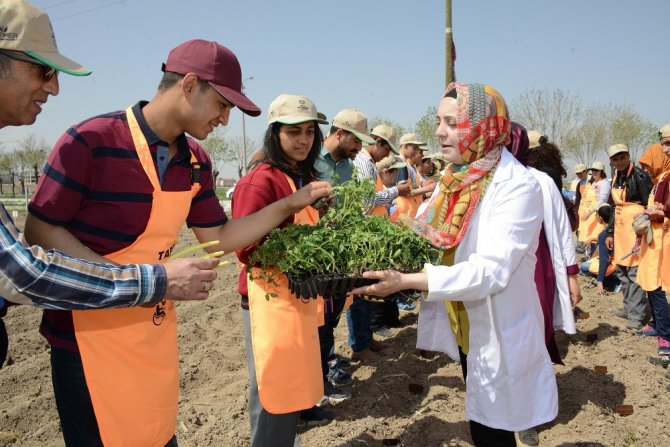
(22, 162)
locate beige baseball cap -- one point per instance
(616, 149)
(411, 138)
(353, 121)
(386, 133)
(534, 139)
(398, 165)
(293, 109)
(579, 167)
(664, 132)
(598, 166)
(23, 27)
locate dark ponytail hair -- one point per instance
(275, 157)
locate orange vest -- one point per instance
(407, 205)
(285, 340)
(651, 255)
(589, 227)
(624, 236)
(130, 355)
(379, 210)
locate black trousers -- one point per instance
(484, 436)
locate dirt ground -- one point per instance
(383, 411)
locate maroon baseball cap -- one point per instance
(215, 64)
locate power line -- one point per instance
(89, 10)
(58, 4)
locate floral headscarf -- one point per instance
(483, 128)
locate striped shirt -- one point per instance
(367, 169)
(53, 280)
(95, 187)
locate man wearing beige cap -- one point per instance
(579, 183)
(116, 372)
(629, 197)
(359, 313)
(29, 66)
(348, 132)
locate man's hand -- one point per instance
(307, 195)
(404, 189)
(655, 215)
(600, 289)
(190, 278)
(609, 243)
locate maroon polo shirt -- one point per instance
(95, 187)
(261, 187)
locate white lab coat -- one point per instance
(562, 248)
(510, 383)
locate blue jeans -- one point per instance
(333, 310)
(659, 311)
(359, 315)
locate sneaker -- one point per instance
(662, 361)
(315, 416)
(620, 313)
(634, 325)
(406, 306)
(647, 331)
(529, 437)
(383, 332)
(663, 346)
(616, 288)
(339, 362)
(337, 377)
(334, 395)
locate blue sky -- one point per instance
(384, 57)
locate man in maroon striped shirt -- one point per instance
(95, 199)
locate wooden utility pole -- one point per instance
(449, 45)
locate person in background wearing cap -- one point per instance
(596, 193)
(578, 185)
(285, 370)
(346, 137)
(348, 132)
(116, 372)
(29, 66)
(655, 163)
(482, 306)
(359, 313)
(628, 198)
(410, 151)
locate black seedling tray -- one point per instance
(330, 285)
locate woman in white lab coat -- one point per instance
(482, 305)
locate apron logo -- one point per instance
(159, 313)
(165, 254)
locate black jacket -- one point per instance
(638, 187)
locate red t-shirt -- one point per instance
(262, 186)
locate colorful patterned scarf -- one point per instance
(483, 128)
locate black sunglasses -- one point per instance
(47, 71)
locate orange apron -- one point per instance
(407, 205)
(379, 210)
(665, 266)
(589, 228)
(130, 355)
(651, 255)
(285, 340)
(624, 236)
